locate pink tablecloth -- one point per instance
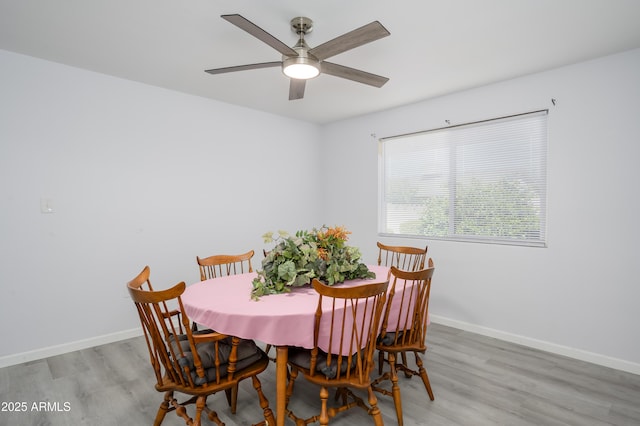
(225, 304)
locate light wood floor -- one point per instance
(476, 381)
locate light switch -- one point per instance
(46, 205)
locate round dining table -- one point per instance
(225, 304)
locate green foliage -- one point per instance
(500, 209)
(295, 260)
(503, 209)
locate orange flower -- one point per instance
(339, 233)
(322, 253)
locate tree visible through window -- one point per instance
(481, 182)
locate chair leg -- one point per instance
(267, 349)
(374, 410)
(227, 394)
(269, 419)
(324, 414)
(395, 389)
(424, 376)
(293, 375)
(404, 361)
(163, 409)
(213, 416)
(234, 398)
(292, 378)
(181, 410)
(200, 404)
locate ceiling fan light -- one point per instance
(301, 71)
(301, 68)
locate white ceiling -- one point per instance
(435, 47)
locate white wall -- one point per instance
(138, 175)
(579, 296)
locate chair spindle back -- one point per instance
(402, 257)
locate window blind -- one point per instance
(483, 181)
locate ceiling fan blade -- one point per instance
(350, 40)
(296, 89)
(244, 67)
(353, 74)
(244, 24)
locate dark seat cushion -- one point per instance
(302, 358)
(248, 353)
(388, 338)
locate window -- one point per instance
(481, 182)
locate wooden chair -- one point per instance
(402, 257)
(406, 331)
(405, 258)
(198, 364)
(352, 326)
(224, 264)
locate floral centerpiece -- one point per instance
(295, 260)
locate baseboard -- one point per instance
(34, 355)
(594, 358)
(591, 357)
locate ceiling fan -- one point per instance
(301, 62)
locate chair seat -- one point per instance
(388, 338)
(248, 353)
